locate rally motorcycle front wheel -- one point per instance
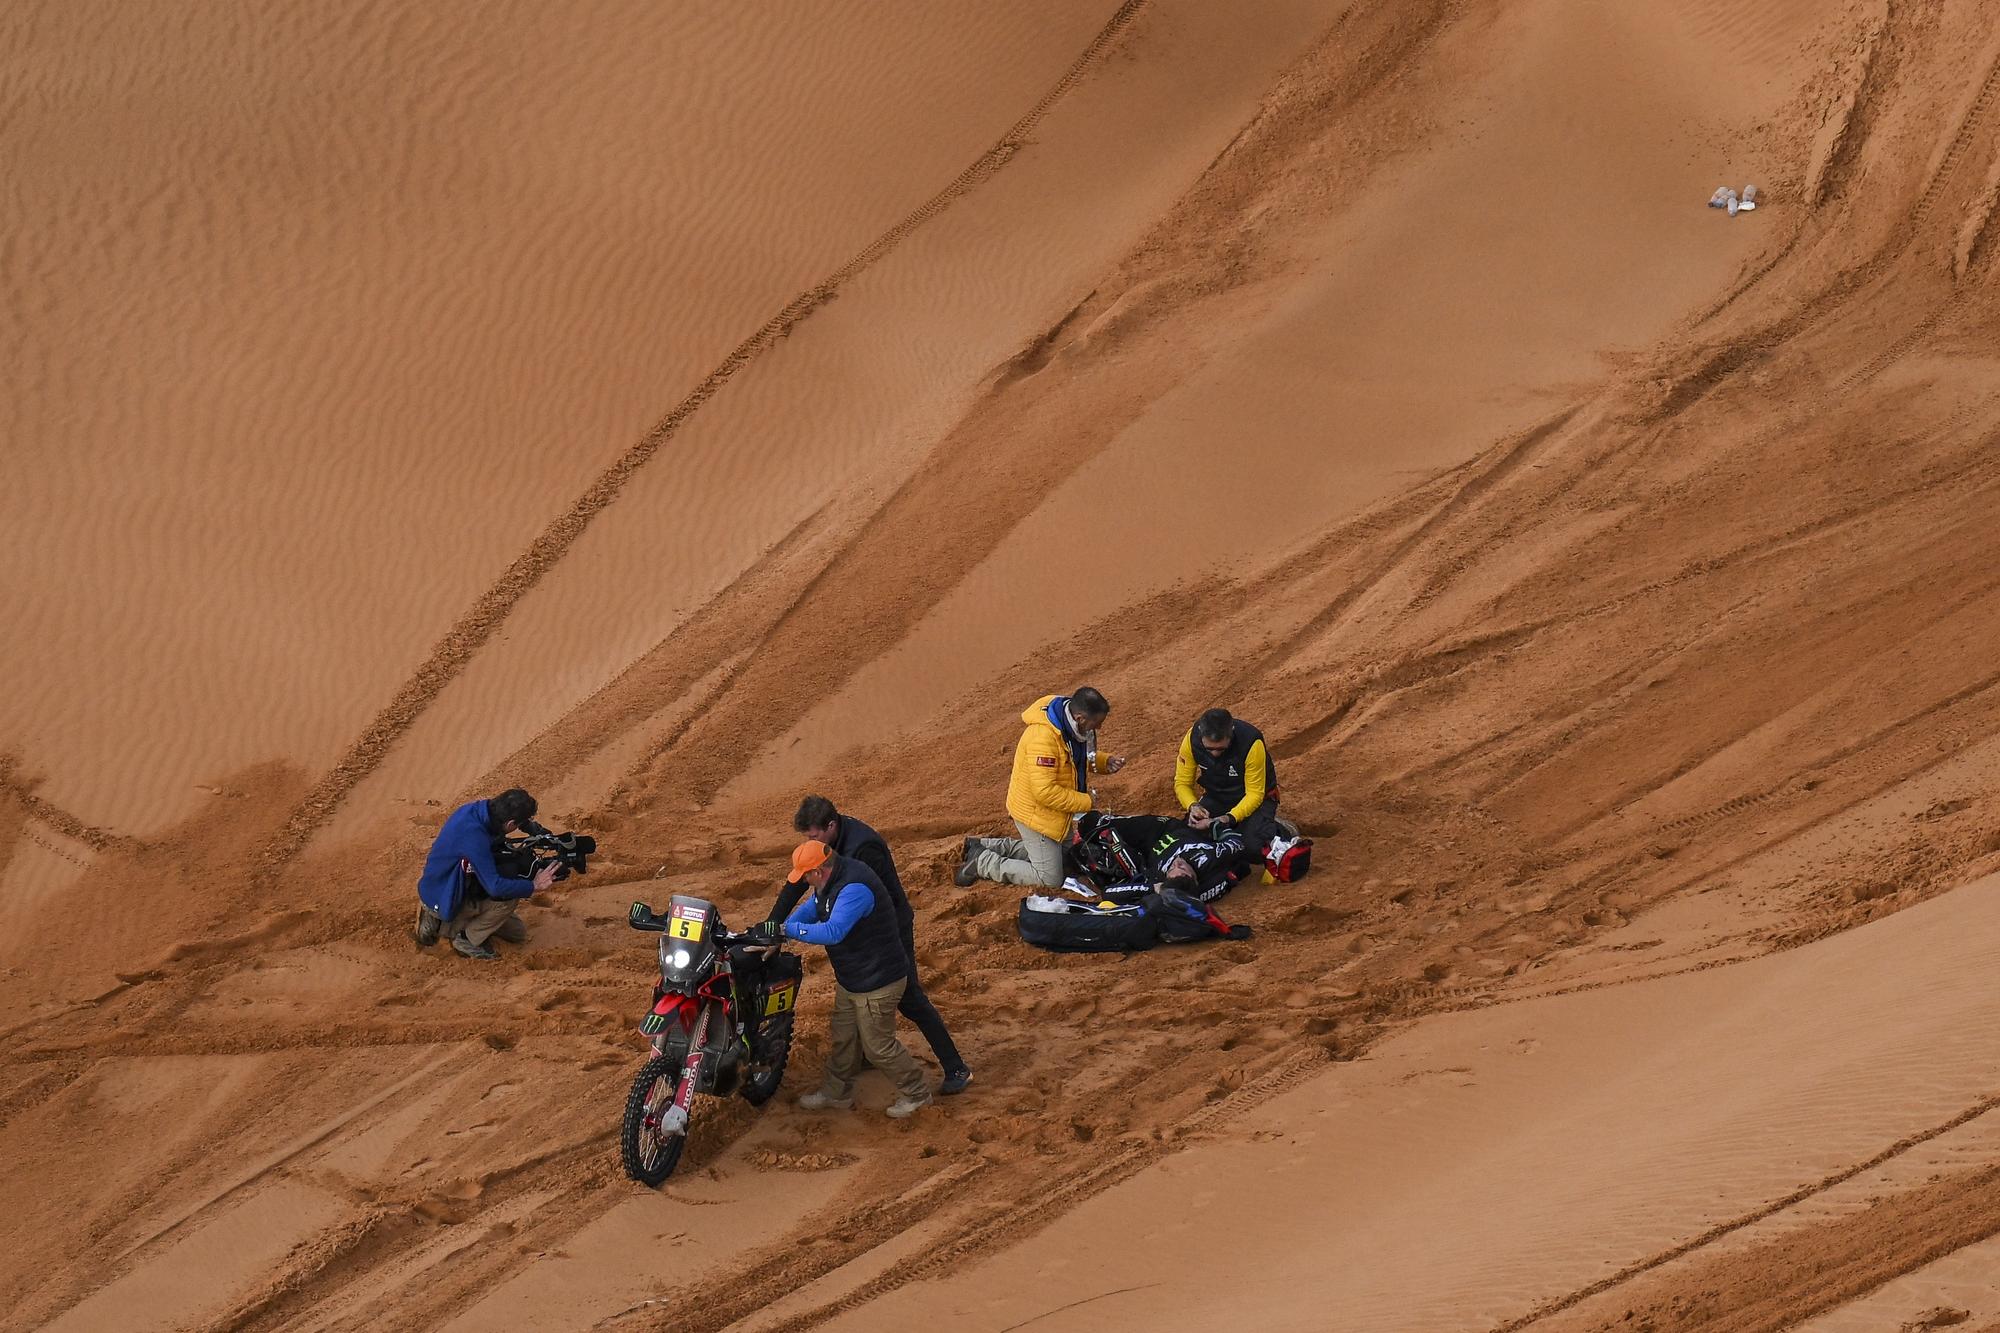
(650, 1155)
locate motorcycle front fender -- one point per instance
(670, 1012)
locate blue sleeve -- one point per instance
(855, 901)
(479, 851)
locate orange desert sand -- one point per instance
(675, 409)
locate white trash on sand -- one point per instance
(1724, 197)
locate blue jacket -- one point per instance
(861, 843)
(464, 847)
(854, 918)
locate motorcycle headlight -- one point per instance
(682, 958)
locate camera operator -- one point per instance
(464, 895)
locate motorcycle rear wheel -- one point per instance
(650, 1156)
(760, 1081)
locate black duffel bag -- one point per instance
(1162, 916)
(1075, 928)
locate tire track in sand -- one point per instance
(1949, 165)
(1974, 471)
(450, 656)
(1024, 1215)
(1736, 1224)
(1960, 143)
(59, 819)
(1483, 473)
(257, 1170)
(1829, 179)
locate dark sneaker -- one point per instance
(467, 949)
(966, 876)
(428, 926)
(973, 846)
(955, 1082)
(513, 930)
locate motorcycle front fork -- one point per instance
(675, 1118)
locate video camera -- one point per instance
(523, 857)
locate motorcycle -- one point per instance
(701, 1042)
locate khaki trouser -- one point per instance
(478, 918)
(864, 1027)
(1033, 859)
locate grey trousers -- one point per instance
(1033, 859)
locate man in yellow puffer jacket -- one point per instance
(1047, 788)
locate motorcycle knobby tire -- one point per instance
(662, 1072)
(760, 1081)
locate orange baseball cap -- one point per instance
(808, 855)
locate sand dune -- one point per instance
(675, 411)
(338, 337)
(845, 408)
(1492, 1165)
(1320, 398)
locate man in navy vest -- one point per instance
(819, 820)
(848, 910)
(462, 894)
(1225, 774)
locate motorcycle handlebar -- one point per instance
(641, 917)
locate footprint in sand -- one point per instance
(1943, 809)
(770, 1159)
(1458, 1076)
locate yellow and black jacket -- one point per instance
(1234, 782)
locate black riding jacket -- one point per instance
(1214, 856)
